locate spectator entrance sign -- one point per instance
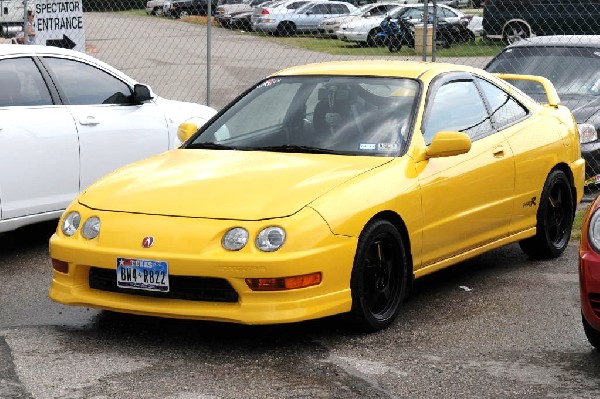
(60, 24)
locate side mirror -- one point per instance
(447, 144)
(141, 93)
(186, 130)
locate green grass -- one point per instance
(576, 230)
(133, 12)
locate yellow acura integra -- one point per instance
(325, 189)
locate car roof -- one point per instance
(559, 41)
(408, 69)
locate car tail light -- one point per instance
(284, 283)
(264, 11)
(468, 17)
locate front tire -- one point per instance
(554, 219)
(593, 335)
(286, 29)
(379, 277)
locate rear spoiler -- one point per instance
(553, 98)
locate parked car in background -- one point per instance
(589, 273)
(155, 7)
(225, 11)
(277, 7)
(365, 31)
(67, 119)
(513, 20)
(330, 26)
(572, 63)
(306, 18)
(325, 189)
(184, 8)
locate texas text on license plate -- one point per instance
(143, 274)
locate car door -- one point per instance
(113, 131)
(467, 199)
(39, 152)
(310, 19)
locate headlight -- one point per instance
(70, 223)
(91, 228)
(270, 239)
(587, 133)
(235, 239)
(594, 231)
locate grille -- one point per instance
(207, 289)
(595, 303)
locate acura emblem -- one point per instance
(147, 242)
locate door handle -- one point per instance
(89, 120)
(498, 151)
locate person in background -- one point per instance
(26, 36)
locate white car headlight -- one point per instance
(594, 231)
(270, 239)
(91, 228)
(235, 239)
(71, 223)
(587, 133)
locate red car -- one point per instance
(589, 273)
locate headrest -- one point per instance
(340, 94)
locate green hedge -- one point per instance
(113, 5)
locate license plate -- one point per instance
(143, 274)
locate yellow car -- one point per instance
(325, 189)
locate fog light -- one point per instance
(284, 283)
(60, 266)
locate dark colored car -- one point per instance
(572, 63)
(589, 274)
(514, 20)
(183, 8)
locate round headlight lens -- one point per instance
(235, 239)
(270, 239)
(71, 223)
(594, 231)
(91, 228)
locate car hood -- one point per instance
(585, 109)
(242, 185)
(180, 111)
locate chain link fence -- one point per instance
(209, 51)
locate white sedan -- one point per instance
(67, 119)
(365, 30)
(330, 26)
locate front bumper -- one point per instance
(352, 36)
(192, 248)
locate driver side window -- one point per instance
(457, 106)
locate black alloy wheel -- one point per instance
(379, 277)
(554, 219)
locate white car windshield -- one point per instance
(318, 114)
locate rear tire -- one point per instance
(286, 29)
(593, 335)
(514, 32)
(555, 216)
(372, 40)
(379, 277)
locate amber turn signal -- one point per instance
(60, 266)
(284, 283)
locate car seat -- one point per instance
(333, 112)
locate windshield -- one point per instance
(571, 70)
(318, 114)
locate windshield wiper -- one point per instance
(209, 146)
(297, 148)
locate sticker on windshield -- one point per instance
(270, 82)
(367, 146)
(378, 146)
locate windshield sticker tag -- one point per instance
(269, 82)
(367, 146)
(387, 146)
